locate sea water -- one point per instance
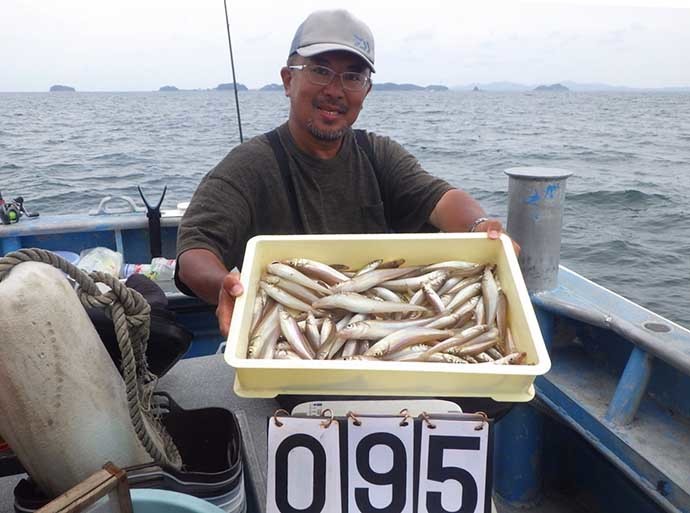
(626, 220)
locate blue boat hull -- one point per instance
(607, 431)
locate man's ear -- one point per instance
(286, 77)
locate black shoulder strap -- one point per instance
(282, 159)
(364, 143)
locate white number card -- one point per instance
(380, 465)
(303, 466)
(452, 469)
(438, 463)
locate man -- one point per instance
(313, 174)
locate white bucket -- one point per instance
(63, 407)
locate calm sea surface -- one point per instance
(627, 219)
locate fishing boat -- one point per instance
(607, 430)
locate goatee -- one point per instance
(326, 135)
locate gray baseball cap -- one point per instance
(325, 31)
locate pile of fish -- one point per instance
(452, 312)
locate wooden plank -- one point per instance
(78, 498)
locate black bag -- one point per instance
(168, 340)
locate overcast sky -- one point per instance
(143, 44)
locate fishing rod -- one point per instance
(232, 65)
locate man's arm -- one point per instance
(457, 211)
(203, 272)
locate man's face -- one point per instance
(323, 112)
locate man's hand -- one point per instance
(494, 228)
(204, 272)
(229, 290)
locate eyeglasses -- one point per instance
(321, 75)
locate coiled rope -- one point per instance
(131, 316)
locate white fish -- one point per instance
(294, 336)
(317, 270)
(284, 298)
(361, 304)
(415, 283)
(455, 340)
(406, 337)
(290, 273)
(490, 295)
(464, 295)
(371, 279)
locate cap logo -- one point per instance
(361, 43)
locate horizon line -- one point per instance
(591, 86)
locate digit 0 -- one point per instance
(395, 477)
(318, 479)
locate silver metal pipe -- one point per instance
(535, 215)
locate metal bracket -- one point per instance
(103, 208)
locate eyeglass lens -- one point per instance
(351, 80)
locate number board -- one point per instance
(303, 466)
(379, 464)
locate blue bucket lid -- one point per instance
(145, 500)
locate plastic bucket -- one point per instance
(71, 257)
(163, 501)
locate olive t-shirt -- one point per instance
(244, 195)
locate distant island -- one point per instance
(573, 87)
(385, 86)
(485, 87)
(553, 88)
(272, 87)
(61, 88)
(231, 87)
(390, 86)
(436, 88)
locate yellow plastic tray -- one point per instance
(268, 378)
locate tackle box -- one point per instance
(269, 378)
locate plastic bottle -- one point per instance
(130, 269)
(162, 269)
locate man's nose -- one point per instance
(335, 87)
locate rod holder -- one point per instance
(535, 217)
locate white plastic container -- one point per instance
(268, 378)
